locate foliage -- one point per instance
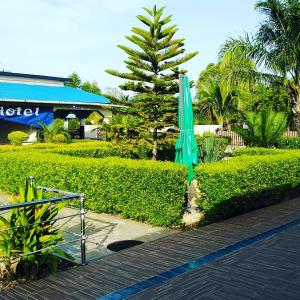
(120, 127)
(220, 98)
(217, 102)
(288, 143)
(50, 131)
(208, 151)
(153, 69)
(267, 97)
(59, 138)
(263, 128)
(76, 82)
(73, 124)
(245, 183)
(28, 237)
(17, 138)
(275, 46)
(257, 151)
(148, 191)
(220, 143)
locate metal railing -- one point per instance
(65, 196)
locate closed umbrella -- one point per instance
(186, 145)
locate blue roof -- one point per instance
(18, 92)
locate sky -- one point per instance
(57, 37)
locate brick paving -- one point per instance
(267, 269)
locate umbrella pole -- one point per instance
(181, 91)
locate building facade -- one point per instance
(26, 100)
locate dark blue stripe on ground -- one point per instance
(194, 264)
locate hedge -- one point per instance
(244, 183)
(40, 146)
(143, 190)
(288, 143)
(258, 151)
(95, 151)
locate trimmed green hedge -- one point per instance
(40, 146)
(288, 143)
(258, 151)
(244, 183)
(143, 190)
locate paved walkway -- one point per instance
(101, 229)
(253, 256)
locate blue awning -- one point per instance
(31, 93)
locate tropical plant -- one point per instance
(154, 102)
(119, 127)
(217, 102)
(208, 151)
(219, 97)
(29, 235)
(50, 131)
(276, 47)
(263, 128)
(17, 138)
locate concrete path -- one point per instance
(253, 256)
(101, 230)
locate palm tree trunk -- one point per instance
(294, 94)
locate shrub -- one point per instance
(17, 138)
(245, 183)
(257, 151)
(288, 143)
(59, 138)
(143, 190)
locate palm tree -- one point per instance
(276, 47)
(217, 102)
(49, 131)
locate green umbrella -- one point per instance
(186, 145)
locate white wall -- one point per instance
(90, 132)
(200, 129)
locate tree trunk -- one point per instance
(154, 149)
(294, 94)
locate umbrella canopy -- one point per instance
(186, 145)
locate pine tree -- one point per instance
(153, 72)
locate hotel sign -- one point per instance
(29, 116)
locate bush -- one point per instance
(17, 138)
(143, 190)
(257, 151)
(288, 143)
(59, 138)
(244, 183)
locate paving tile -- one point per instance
(268, 269)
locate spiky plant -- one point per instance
(263, 128)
